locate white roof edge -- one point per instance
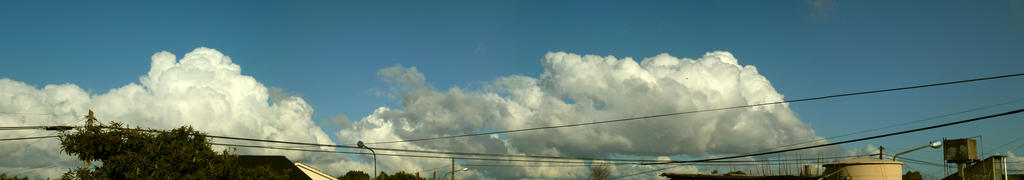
(308, 168)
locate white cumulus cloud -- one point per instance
(204, 89)
(585, 88)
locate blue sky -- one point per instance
(330, 52)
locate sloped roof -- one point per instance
(312, 172)
(278, 164)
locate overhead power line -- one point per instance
(27, 138)
(60, 128)
(922, 162)
(435, 152)
(600, 159)
(454, 153)
(829, 144)
(710, 163)
(22, 127)
(996, 150)
(705, 110)
(28, 113)
(895, 125)
(520, 160)
(854, 140)
(681, 165)
(451, 154)
(690, 161)
(378, 149)
(1018, 147)
(400, 155)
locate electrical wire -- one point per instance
(835, 143)
(574, 158)
(858, 139)
(431, 169)
(27, 113)
(710, 163)
(451, 154)
(26, 138)
(923, 162)
(677, 166)
(402, 150)
(398, 155)
(498, 159)
(515, 160)
(608, 159)
(22, 127)
(705, 110)
(22, 148)
(435, 152)
(596, 122)
(896, 125)
(1018, 147)
(459, 153)
(37, 127)
(1004, 145)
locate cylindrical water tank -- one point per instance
(864, 168)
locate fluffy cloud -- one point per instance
(206, 90)
(578, 89)
(203, 89)
(1013, 161)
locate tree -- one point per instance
(736, 173)
(400, 175)
(912, 175)
(134, 153)
(600, 172)
(3, 176)
(359, 175)
(354, 175)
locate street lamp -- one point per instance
(361, 145)
(453, 173)
(936, 145)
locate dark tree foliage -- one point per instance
(736, 173)
(912, 175)
(3, 176)
(401, 175)
(133, 153)
(360, 175)
(600, 172)
(354, 175)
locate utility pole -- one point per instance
(90, 118)
(88, 123)
(453, 168)
(880, 148)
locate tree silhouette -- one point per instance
(3, 176)
(355, 175)
(360, 175)
(912, 175)
(134, 153)
(600, 172)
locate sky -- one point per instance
(413, 69)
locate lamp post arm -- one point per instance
(374, 160)
(904, 152)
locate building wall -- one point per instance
(989, 169)
(866, 171)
